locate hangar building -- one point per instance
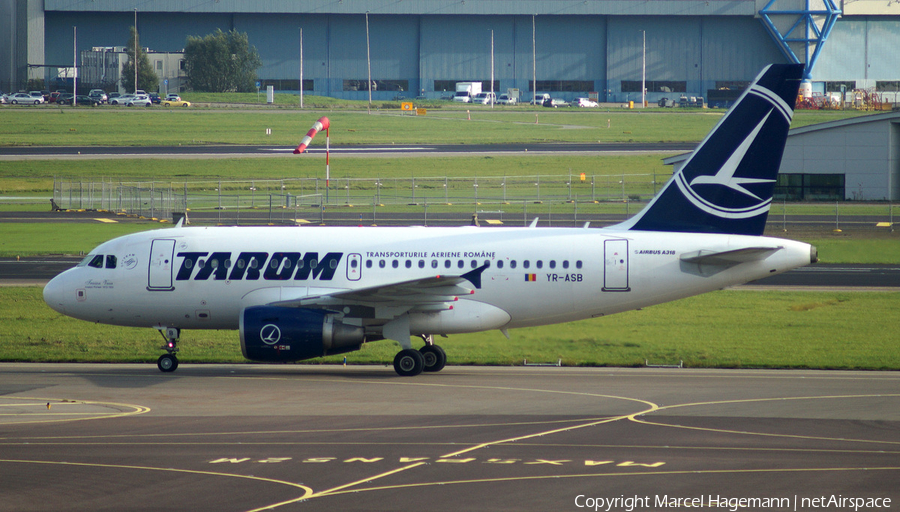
(854, 159)
(423, 47)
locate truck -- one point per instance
(465, 91)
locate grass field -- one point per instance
(725, 329)
(109, 125)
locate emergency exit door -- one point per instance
(161, 259)
(615, 269)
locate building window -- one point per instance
(377, 85)
(563, 85)
(159, 65)
(810, 187)
(847, 86)
(655, 86)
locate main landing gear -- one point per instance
(430, 358)
(168, 362)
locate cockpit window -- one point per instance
(97, 260)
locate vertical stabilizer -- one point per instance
(727, 183)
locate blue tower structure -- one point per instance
(804, 28)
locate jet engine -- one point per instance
(270, 333)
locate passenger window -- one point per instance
(434, 264)
(215, 263)
(395, 263)
(313, 263)
(408, 264)
(578, 264)
(254, 263)
(460, 264)
(368, 263)
(227, 263)
(565, 263)
(333, 264)
(512, 264)
(447, 263)
(201, 263)
(353, 263)
(474, 263)
(274, 263)
(421, 263)
(380, 263)
(500, 264)
(240, 263)
(552, 263)
(526, 264)
(539, 264)
(111, 261)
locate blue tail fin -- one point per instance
(727, 183)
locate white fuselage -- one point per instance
(203, 277)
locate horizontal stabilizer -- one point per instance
(729, 258)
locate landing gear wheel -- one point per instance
(435, 358)
(409, 363)
(167, 363)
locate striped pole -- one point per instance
(318, 126)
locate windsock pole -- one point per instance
(316, 128)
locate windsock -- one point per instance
(321, 124)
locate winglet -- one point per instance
(474, 276)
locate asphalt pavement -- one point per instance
(291, 437)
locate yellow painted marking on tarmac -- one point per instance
(623, 474)
(767, 434)
(319, 431)
(108, 221)
(137, 409)
(307, 491)
(368, 479)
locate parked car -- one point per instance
(484, 98)
(99, 95)
(4, 99)
(25, 98)
(114, 94)
(140, 100)
(506, 99)
(173, 97)
(555, 102)
(154, 98)
(120, 99)
(586, 102)
(64, 98)
(176, 103)
(38, 95)
(83, 99)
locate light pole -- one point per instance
(368, 66)
(135, 53)
(644, 70)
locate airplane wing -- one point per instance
(435, 293)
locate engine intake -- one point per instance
(270, 333)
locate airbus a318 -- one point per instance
(296, 293)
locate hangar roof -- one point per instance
(829, 125)
(422, 7)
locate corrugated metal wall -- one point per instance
(420, 49)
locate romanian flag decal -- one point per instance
(531, 277)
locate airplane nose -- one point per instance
(54, 294)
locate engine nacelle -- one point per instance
(270, 333)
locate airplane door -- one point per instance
(615, 271)
(354, 267)
(161, 261)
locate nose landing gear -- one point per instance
(168, 362)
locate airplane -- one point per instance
(296, 293)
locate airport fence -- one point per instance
(559, 200)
